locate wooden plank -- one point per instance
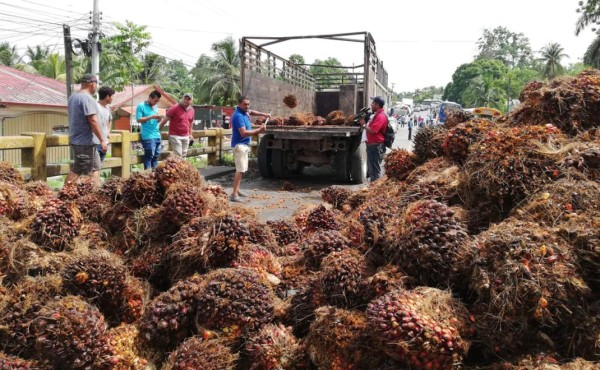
(57, 169)
(15, 142)
(36, 156)
(57, 140)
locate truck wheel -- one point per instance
(298, 167)
(342, 172)
(358, 164)
(278, 164)
(264, 157)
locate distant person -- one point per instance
(181, 117)
(410, 126)
(241, 132)
(375, 137)
(105, 94)
(147, 116)
(83, 125)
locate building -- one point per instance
(32, 103)
(126, 101)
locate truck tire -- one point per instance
(278, 164)
(358, 164)
(341, 168)
(264, 157)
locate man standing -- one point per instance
(83, 125)
(375, 137)
(181, 116)
(240, 142)
(105, 94)
(147, 115)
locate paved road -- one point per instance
(274, 199)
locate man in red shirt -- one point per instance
(181, 117)
(375, 137)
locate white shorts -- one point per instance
(240, 155)
(179, 145)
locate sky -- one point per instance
(421, 43)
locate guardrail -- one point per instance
(33, 147)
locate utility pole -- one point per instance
(95, 37)
(68, 58)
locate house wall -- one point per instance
(28, 120)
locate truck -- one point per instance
(286, 150)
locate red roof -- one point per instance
(18, 87)
(124, 97)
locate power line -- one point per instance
(51, 7)
(42, 12)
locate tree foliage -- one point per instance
(589, 15)
(551, 56)
(511, 48)
(297, 59)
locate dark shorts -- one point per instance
(85, 159)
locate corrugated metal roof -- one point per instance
(26, 88)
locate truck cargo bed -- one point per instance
(312, 132)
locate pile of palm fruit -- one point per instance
(480, 250)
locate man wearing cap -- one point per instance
(83, 125)
(146, 113)
(375, 137)
(181, 117)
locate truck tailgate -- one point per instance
(312, 132)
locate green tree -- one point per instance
(37, 56)
(119, 64)
(465, 76)
(592, 54)
(511, 48)
(297, 59)
(179, 80)
(589, 15)
(483, 90)
(326, 74)
(153, 71)
(54, 67)
(221, 75)
(551, 56)
(200, 73)
(9, 55)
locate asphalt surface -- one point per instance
(275, 199)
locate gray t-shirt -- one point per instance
(104, 118)
(81, 105)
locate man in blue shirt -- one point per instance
(147, 115)
(240, 142)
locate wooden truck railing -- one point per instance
(33, 147)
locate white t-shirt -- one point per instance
(105, 119)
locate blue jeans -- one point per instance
(151, 152)
(374, 157)
(100, 152)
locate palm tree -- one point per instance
(590, 14)
(224, 79)
(8, 55)
(592, 54)
(551, 56)
(482, 92)
(37, 56)
(154, 69)
(54, 67)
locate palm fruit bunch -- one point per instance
(338, 339)
(19, 307)
(135, 297)
(293, 276)
(261, 234)
(399, 163)
(290, 101)
(169, 318)
(234, 302)
(274, 347)
(70, 334)
(458, 139)
(93, 206)
(300, 119)
(560, 201)
(520, 270)
(83, 185)
(56, 224)
(306, 298)
(318, 121)
(99, 277)
(116, 218)
(369, 231)
(141, 189)
(335, 195)
(321, 218)
(184, 202)
(583, 234)
(8, 173)
(543, 361)
(439, 179)
(425, 328)
(145, 227)
(276, 121)
(39, 192)
(259, 258)
(22, 257)
(196, 353)
(217, 191)
(14, 201)
(113, 188)
(335, 118)
(125, 352)
(175, 169)
(386, 279)
(427, 242)
(322, 243)
(93, 235)
(507, 165)
(583, 336)
(16, 363)
(569, 103)
(285, 232)
(427, 143)
(341, 275)
(457, 117)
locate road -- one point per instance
(274, 199)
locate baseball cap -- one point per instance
(378, 99)
(88, 78)
(189, 95)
